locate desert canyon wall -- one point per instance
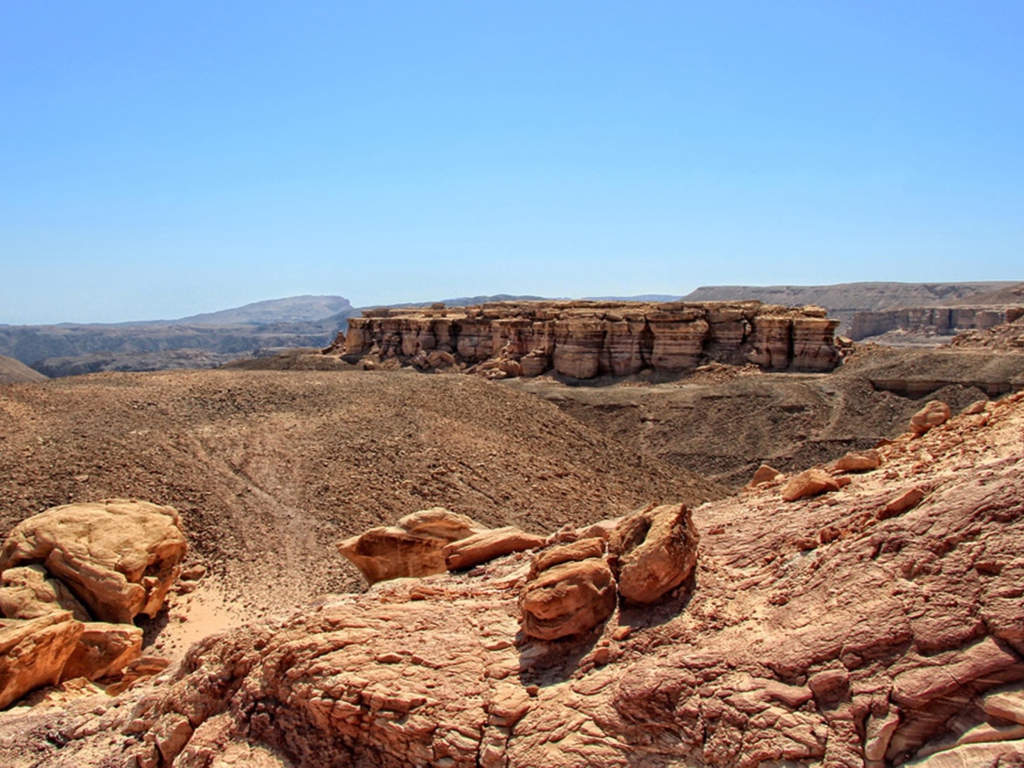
(586, 339)
(941, 321)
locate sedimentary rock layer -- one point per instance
(588, 339)
(941, 321)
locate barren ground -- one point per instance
(270, 469)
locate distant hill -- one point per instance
(16, 372)
(296, 309)
(460, 301)
(300, 321)
(843, 300)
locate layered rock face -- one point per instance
(70, 565)
(942, 321)
(588, 339)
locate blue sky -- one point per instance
(163, 159)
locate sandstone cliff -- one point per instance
(585, 339)
(932, 321)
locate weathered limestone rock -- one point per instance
(33, 653)
(413, 547)
(584, 339)
(814, 347)
(568, 599)
(932, 415)
(119, 557)
(487, 545)
(809, 483)
(859, 461)
(654, 552)
(103, 650)
(773, 343)
(29, 592)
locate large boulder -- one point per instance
(567, 599)
(33, 653)
(413, 547)
(654, 551)
(118, 557)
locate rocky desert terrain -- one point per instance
(270, 469)
(864, 613)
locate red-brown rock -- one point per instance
(809, 483)
(568, 599)
(932, 415)
(487, 545)
(655, 551)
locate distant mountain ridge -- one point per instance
(844, 300)
(295, 309)
(297, 321)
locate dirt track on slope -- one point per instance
(271, 469)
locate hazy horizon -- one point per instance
(166, 161)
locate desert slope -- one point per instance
(270, 469)
(16, 372)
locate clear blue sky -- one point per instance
(159, 159)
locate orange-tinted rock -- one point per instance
(809, 483)
(413, 547)
(568, 599)
(901, 503)
(764, 474)
(103, 650)
(655, 551)
(932, 415)
(581, 549)
(29, 592)
(859, 461)
(487, 545)
(33, 653)
(119, 557)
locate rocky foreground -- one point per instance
(875, 622)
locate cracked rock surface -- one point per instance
(823, 631)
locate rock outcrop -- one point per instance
(33, 652)
(111, 560)
(415, 546)
(932, 321)
(487, 545)
(824, 631)
(932, 415)
(571, 591)
(809, 483)
(118, 557)
(584, 339)
(654, 551)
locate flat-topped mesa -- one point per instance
(585, 339)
